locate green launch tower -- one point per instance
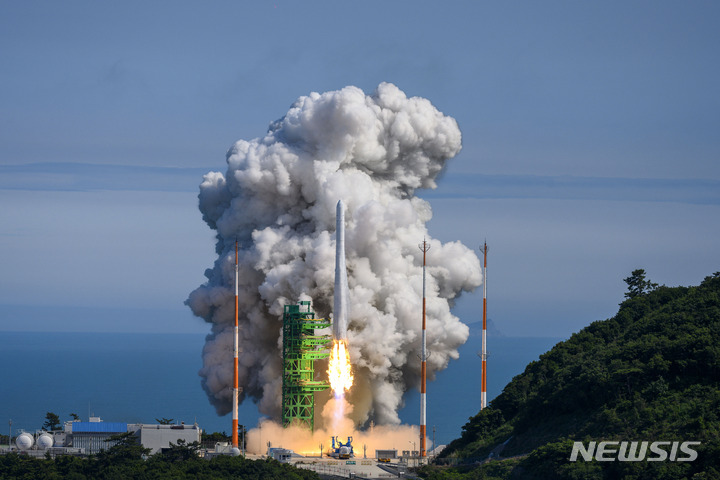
(301, 347)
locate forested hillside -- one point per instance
(650, 373)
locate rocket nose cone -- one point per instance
(340, 218)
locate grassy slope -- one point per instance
(652, 372)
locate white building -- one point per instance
(93, 436)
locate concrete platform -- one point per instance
(352, 468)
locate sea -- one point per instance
(141, 377)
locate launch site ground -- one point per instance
(351, 468)
(356, 467)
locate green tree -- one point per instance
(127, 448)
(75, 417)
(209, 440)
(52, 422)
(637, 284)
(180, 452)
(165, 421)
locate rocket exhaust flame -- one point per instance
(339, 369)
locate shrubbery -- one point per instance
(127, 459)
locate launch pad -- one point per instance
(301, 347)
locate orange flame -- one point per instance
(339, 369)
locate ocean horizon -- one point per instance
(140, 377)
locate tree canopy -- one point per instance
(52, 421)
(637, 284)
(128, 459)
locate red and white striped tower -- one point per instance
(235, 358)
(423, 400)
(483, 389)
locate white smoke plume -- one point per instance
(278, 198)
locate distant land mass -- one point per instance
(649, 375)
(492, 330)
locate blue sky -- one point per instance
(590, 144)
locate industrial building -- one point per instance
(89, 438)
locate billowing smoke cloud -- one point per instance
(278, 198)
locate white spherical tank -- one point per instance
(45, 441)
(24, 441)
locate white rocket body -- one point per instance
(340, 300)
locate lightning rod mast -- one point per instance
(424, 247)
(484, 354)
(235, 358)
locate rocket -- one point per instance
(340, 300)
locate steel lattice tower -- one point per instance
(301, 347)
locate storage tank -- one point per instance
(45, 441)
(24, 441)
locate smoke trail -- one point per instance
(278, 198)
